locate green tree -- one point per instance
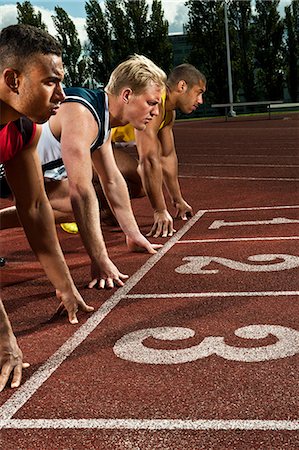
(206, 33)
(132, 32)
(99, 46)
(68, 37)
(268, 32)
(136, 12)
(26, 15)
(292, 48)
(242, 47)
(159, 47)
(120, 30)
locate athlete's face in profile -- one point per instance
(192, 98)
(40, 91)
(140, 109)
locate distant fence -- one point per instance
(289, 106)
(270, 106)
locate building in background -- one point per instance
(181, 47)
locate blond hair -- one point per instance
(138, 73)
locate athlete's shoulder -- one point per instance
(76, 90)
(83, 92)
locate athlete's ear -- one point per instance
(126, 95)
(182, 86)
(11, 77)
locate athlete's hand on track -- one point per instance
(163, 224)
(106, 275)
(183, 210)
(141, 244)
(11, 361)
(71, 301)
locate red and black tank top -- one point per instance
(14, 136)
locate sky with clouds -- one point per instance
(175, 12)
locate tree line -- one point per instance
(264, 46)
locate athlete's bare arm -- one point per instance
(150, 171)
(169, 162)
(25, 177)
(116, 192)
(75, 148)
(11, 357)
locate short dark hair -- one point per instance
(19, 42)
(185, 72)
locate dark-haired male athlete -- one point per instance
(31, 72)
(157, 159)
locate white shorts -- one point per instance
(57, 174)
(124, 144)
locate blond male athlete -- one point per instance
(79, 135)
(156, 149)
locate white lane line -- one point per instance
(274, 221)
(238, 239)
(239, 178)
(278, 166)
(25, 392)
(252, 208)
(152, 424)
(217, 294)
(236, 155)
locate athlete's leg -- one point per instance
(58, 194)
(9, 218)
(128, 165)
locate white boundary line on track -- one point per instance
(235, 155)
(278, 166)
(238, 178)
(152, 424)
(26, 391)
(238, 239)
(216, 294)
(251, 208)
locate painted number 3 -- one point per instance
(131, 347)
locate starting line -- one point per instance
(152, 424)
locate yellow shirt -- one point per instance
(126, 132)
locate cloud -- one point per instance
(175, 12)
(180, 18)
(78, 21)
(8, 16)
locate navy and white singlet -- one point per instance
(49, 148)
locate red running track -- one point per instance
(199, 349)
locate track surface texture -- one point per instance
(199, 349)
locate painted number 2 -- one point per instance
(131, 346)
(198, 264)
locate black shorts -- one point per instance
(5, 190)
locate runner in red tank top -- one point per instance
(31, 72)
